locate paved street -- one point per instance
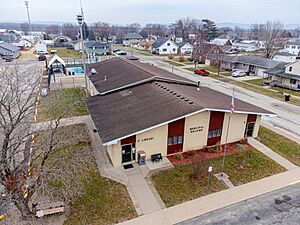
(278, 207)
(288, 118)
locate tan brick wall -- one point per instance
(196, 131)
(114, 152)
(236, 129)
(153, 141)
(256, 127)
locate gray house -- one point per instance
(250, 63)
(132, 39)
(8, 49)
(94, 48)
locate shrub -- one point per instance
(241, 146)
(244, 141)
(171, 57)
(178, 157)
(181, 59)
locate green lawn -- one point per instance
(228, 74)
(258, 82)
(280, 144)
(63, 103)
(176, 185)
(91, 198)
(64, 52)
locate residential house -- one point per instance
(164, 46)
(285, 57)
(145, 44)
(201, 52)
(94, 48)
(221, 42)
(24, 43)
(251, 64)
(165, 113)
(185, 48)
(41, 47)
(9, 50)
(287, 77)
(132, 39)
(293, 47)
(245, 46)
(49, 43)
(62, 41)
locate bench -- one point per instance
(156, 157)
(43, 209)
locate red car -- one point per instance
(201, 72)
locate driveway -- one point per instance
(278, 207)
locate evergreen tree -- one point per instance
(210, 29)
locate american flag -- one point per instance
(232, 102)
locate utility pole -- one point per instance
(80, 22)
(28, 17)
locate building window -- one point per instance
(175, 140)
(180, 139)
(170, 141)
(164, 50)
(293, 81)
(214, 133)
(168, 44)
(290, 69)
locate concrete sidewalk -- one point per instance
(145, 198)
(271, 154)
(217, 200)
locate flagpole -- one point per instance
(227, 131)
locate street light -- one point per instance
(80, 22)
(29, 22)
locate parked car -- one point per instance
(116, 50)
(201, 72)
(239, 73)
(121, 52)
(7, 58)
(42, 57)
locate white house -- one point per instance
(288, 77)
(292, 47)
(132, 39)
(41, 47)
(164, 46)
(24, 43)
(185, 48)
(284, 57)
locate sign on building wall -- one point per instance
(196, 129)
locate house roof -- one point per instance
(97, 44)
(293, 43)
(160, 41)
(220, 41)
(9, 46)
(113, 74)
(56, 59)
(282, 73)
(285, 54)
(154, 102)
(208, 47)
(181, 44)
(250, 60)
(133, 36)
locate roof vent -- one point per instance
(178, 95)
(185, 99)
(168, 89)
(93, 71)
(174, 93)
(191, 102)
(105, 78)
(182, 97)
(171, 92)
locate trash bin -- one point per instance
(287, 97)
(141, 158)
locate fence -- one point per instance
(67, 82)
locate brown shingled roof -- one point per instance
(126, 111)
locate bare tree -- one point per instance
(70, 30)
(101, 30)
(269, 35)
(183, 27)
(26, 170)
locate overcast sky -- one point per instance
(152, 11)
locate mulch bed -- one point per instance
(192, 156)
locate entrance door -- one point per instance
(250, 129)
(126, 153)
